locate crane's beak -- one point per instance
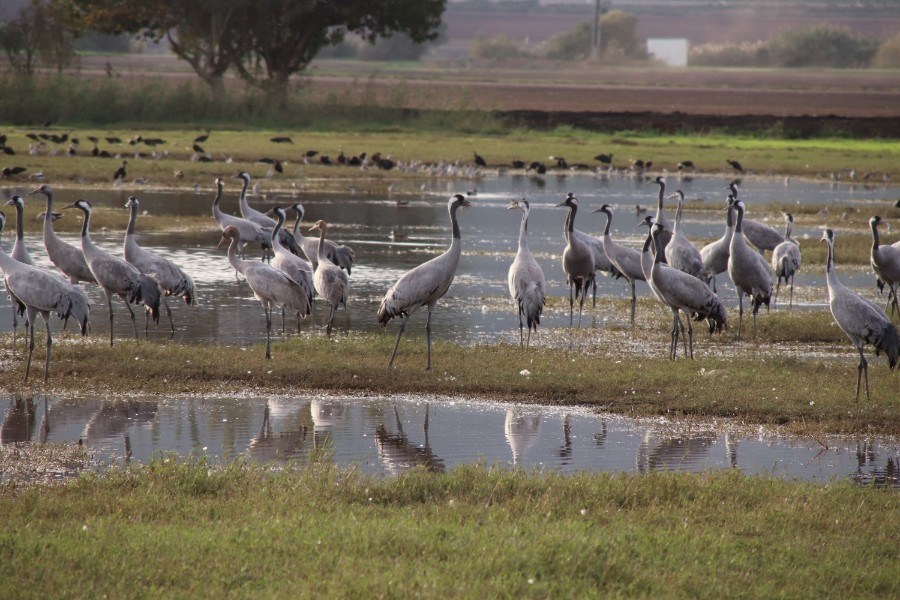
(69, 206)
(10, 203)
(33, 192)
(466, 203)
(512, 205)
(222, 241)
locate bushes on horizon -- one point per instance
(498, 46)
(618, 39)
(888, 55)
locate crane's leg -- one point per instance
(521, 332)
(428, 334)
(691, 336)
(673, 344)
(29, 335)
(282, 320)
(584, 288)
(397, 343)
(714, 285)
(49, 343)
(740, 312)
(330, 321)
(791, 301)
(528, 339)
(777, 290)
(862, 370)
(894, 306)
(571, 303)
(594, 291)
(108, 295)
(133, 322)
(633, 301)
(169, 313)
(268, 331)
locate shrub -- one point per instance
(618, 39)
(888, 55)
(498, 46)
(819, 46)
(725, 55)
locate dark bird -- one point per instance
(606, 159)
(479, 160)
(311, 153)
(325, 159)
(518, 164)
(198, 148)
(282, 139)
(735, 165)
(560, 162)
(13, 171)
(113, 140)
(686, 164)
(386, 163)
(152, 142)
(8, 151)
(201, 138)
(121, 173)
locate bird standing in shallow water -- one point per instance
(424, 285)
(526, 279)
(332, 284)
(862, 321)
(786, 259)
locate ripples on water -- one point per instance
(389, 435)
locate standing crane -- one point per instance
(270, 286)
(577, 260)
(748, 271)
(170, 278)
(862, 321)
(715, 254)
(19, 251)
(666, 233)
(115, 276)
(526, 279)
(42, 292)
(330, 281)
(601, 261)
(66, 257)
(786, 259)
(339, 254)
(885, 261)
(249, 232)
(626, 260)
(262, 219)
(424, 285)
(680, 253)
(685, 293)
(289, 263)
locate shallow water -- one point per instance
(386, 436)
(477, 308)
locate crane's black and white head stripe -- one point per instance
(243, 175)
(570, 201)
(16, 201)
(660, 181)
(132, 201)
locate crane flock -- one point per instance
(679, 275)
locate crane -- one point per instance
(786, 258)
(425, 284)
(885, 261)
(289, 263)
(666, 233)
(761, 236)
(748, 270)
(685, 293)
(680, 253)
(270, 286)
(526, 279)
(66, 257)
(115, 276)
(262, 219)
(862, 321)
(19, 251)
(341, 255)
(626, 260)
(330, 281)
(40, 293)
(715, 254)
(171, 279)
(577, 260)
(249, 232)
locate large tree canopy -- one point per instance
(266, 41)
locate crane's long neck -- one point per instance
(606, 233)
(20, 222)
(217, 212)
(659, 249)
(86, 242)
(276, 230)
(132, 219)
(729, 219)
(523, 231)
(298, 231)
(454, 224)
(875, 242)
(738, 227)
(245, 207)
(320, 249)
(830, 275)
(570, 221)
(48, 218)
(646, 256)
(678, 216)
(660, 200)
(238, 264)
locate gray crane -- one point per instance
(526, 279)
(424, 285)
(115, 276)
(686, 293)
(715, 254)
(601, 261)
(748, 270)
(172, 280)
(626, 260)
(249, 232)
(331, 283)
(577, 260)
(680, 253)
(341, 255)
(786, 259)
(885, 261)
(42, 292)
(260, 218)
(666, 233)
(66, 257)
(270, 286)
(289, 263)
(761, 236)
(862, 321)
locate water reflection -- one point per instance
(390, 435)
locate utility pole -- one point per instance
(595, 46)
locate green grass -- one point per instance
(185, 530)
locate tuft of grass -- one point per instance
(319, 531)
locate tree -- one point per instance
(618, 36)
(43, 29)
(266, 41)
